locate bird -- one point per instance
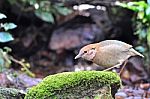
(108, 53)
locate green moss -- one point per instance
(73, 85)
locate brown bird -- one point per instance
(108, 53)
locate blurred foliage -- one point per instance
(142, 25)
(5, 36)
(44, 9)
(5, 58)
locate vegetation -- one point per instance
(44, 9)
(75, 85)
(37, 22)
(5, 36)
(141, 21)
(5, 58)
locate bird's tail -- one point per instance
(136, 53)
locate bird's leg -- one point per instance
(124, 64)
(112, 67)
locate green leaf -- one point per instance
(148, 11)
(128, 6)
(141, 4)
(135, 6)
(32, 2)
(5, 37)
(145, 19)
(2, 62)
(140, 15)
(8, 26)
(141, 32)
(140, 49)
(63, 10)
(148, 36)
(7, 49)
(45, 16)
(2, 16)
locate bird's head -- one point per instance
(88, 52)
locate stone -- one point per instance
(76, 85)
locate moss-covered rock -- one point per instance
(75, 85)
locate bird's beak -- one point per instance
(78, 56)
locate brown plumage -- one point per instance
(108, 53)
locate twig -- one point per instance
(23, 65)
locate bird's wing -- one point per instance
(123, 47)
(116, 42)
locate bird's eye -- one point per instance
(85, 51)
(93, 48)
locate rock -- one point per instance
(4, 81)
(131, 97)
(145, 86)
(76, 85)
(21, 80)
(134, 71)
(74, 36)
(11, 93)
(29, 81)
(133, 93)
(120, 95)
(137, 97)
